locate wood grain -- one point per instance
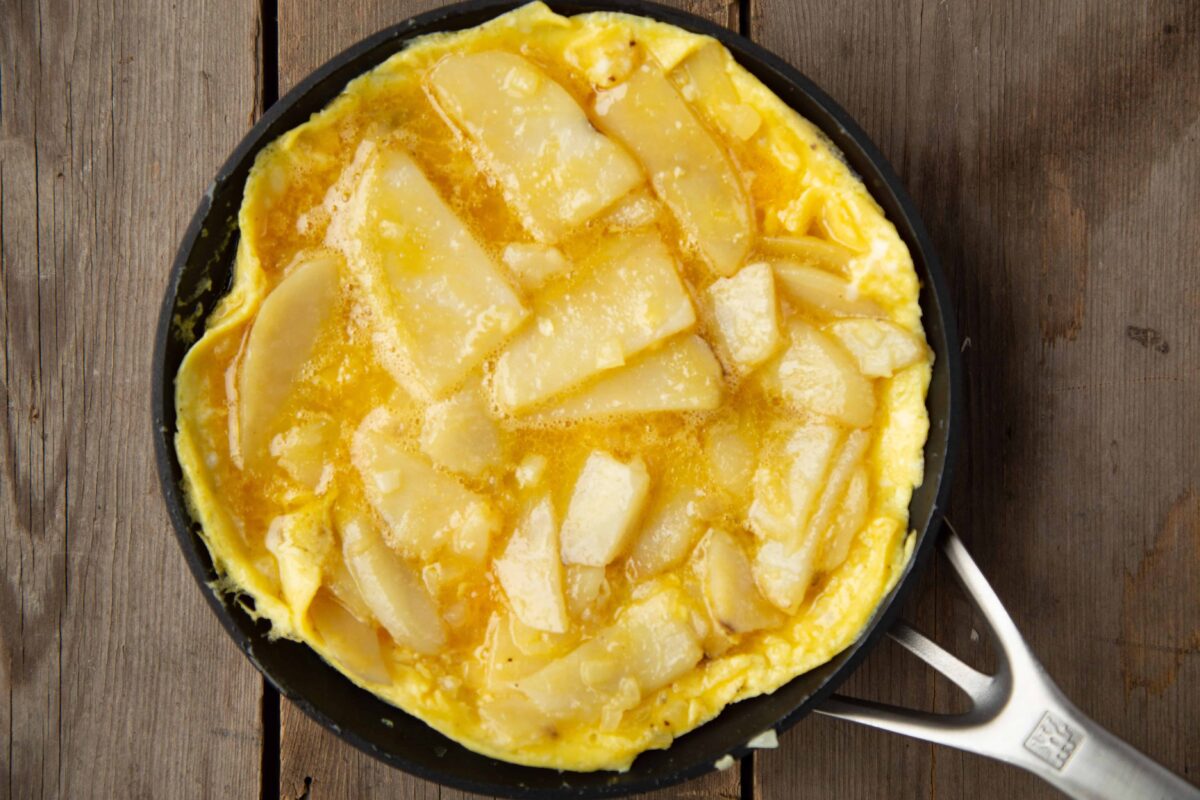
(313, 762)
(116, 679)
(1053, 152)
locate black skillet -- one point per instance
(201, 274)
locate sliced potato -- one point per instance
(350, 640)
(341, 583)
(789, 478)
(810, 251)
(425, 510)
(506, 660)
(556, 170)
(880, 347)
(747, 319)
(733, 599)
(731, 457)
(281, 342)
(531, 572)
(784, 570)
(680, 375)
(605, 503)
(440, 303)
(459, 434)
(816, 374)
(824, 291)
(688, 169)
(630, 298)
(605, 55)
(849, 520)
(703, 80)
(844, 466)
(301, 543)
(651, 644)
(635, 210)
(305, 451)
(587, 590)
(391, 589)
(670, 532)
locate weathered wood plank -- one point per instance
(1052, 150)
(116, 679)
(312, 759)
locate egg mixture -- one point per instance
(569, 389)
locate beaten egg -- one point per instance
(569, 389)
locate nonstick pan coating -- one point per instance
(202, 273)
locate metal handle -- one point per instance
(1018, 715)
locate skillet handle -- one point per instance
(1018, 715)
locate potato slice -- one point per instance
(784, 571)
(816, 374)
(534, 264)
(672, 527)
(459, 434)
(587, 590)
(840, 472)
(301, 543)
(606, 502)
(629, 298)
(531, 573)
(688, 169)
(703, 80)
(635, 210)
(880, 347)
(823, 291)
(507, 661)
(353, 642)
(733, 599)
(789, 480)
(425, 510)
(440, 303)
(747, 319)
(391, 589)
(605, 55)
(556, 170)
(810, 251)
(849, 520)
(681, 375)
(731, 457)
(341, 583)
(281, 341)
(305, 451)
(651, 644)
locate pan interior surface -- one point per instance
(201, 275)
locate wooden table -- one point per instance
(1054, 151)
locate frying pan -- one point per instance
(1018, 716)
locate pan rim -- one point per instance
(371, 51)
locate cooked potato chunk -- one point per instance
(630, 298)
(440, 303)
(459, 434)
(731, 457)
(789, 479)
(606, 502)
(587, 589)
(651, 644)
(824, 291)
(747, 320)
(425, 510)
(606, 55)
(850, 518)
(635, 210)
(810, 251)
(670, 532)
(784, 570)
(351, 641)
(391, 589)
(305, 451)
(733, 599)
(531, 572)
(301, 543)
(844, 465)
(681, 375)
(534, 264)
(880, 347)
(556, 170)
(816, 374)
(688, 169)
(702, 80)
(281, 342)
